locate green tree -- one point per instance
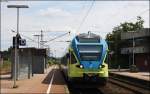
(6, 54)
(114, 39)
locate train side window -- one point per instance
(73, 59)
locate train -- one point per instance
(85, 60)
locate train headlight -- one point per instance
(100, 66)
(81, 66)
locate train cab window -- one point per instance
(73, 59)
(90, 56)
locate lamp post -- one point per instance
(16, 52)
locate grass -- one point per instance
(52, 62)
(5, 67)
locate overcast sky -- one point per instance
(58, 17)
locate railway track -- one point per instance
(127, 88)
(85, 91)
(134, 86)
(125, 84)
(74, 90)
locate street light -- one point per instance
(16, 52)
(17, 6)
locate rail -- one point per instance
(136, 85)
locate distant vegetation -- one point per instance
(5, 67)
(52, 61)
(115, 43)
(6, 54)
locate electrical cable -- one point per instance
(58, 37)
(86, 15)
(29, 38)
(141, 13)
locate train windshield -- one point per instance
(89, 56)
(90, 52)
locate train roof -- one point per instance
(88, 36)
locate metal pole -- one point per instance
(16, 51)
(41, 42)
(133, 48)
(15, 63)
(129, 61)
(0, 33)
(17, 20)
(38, 41)
(18, 44)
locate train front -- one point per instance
(87, 59)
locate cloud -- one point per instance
(54, 12)
(65, 16)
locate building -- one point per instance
(136, 47)
(30, 61)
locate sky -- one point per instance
(55, 18)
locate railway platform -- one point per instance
(50, 82)
(139, 81)
(125, 72)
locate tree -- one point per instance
(6, 54)
(115, 36)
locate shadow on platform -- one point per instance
(58, 78)
(5, 77)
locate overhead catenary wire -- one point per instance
(85, 16)
(134, 16)
(116, 14)
(76, 18)
(57, 37)
(45, 41)
(48, 40)
(29, 38)
(141, 13)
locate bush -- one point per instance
(6, 67)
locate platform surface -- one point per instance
(125, 72)
(50, 82)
